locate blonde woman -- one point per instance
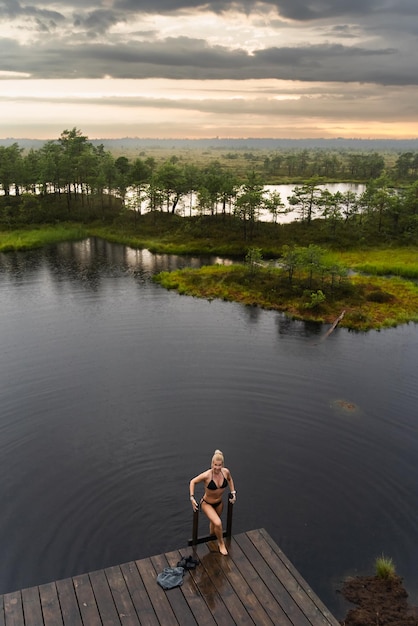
(216, 480)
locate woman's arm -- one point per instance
(197, 479)
(231, 487)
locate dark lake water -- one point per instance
(115, 392)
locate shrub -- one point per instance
(384, 567)
(316, 298)
(253, 259)
(379, 296)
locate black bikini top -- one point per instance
(213, 485)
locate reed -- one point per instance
(384, 567)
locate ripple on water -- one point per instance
(115, 393)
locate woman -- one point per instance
(215, 479)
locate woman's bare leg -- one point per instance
(215, 524)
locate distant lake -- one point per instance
(115, 392)
(187, 204)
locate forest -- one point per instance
(74, 180)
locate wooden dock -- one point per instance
(254, 584)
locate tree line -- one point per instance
(72, 178)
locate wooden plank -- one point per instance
(175, 596)
(157, 595)
(139, 595)
(277, 584)
(13, 609)
(121, 597)
(297, 587)
(243, 590)
(86, 601)
(69, 606)
(104, 598)
(210, 594)
(51, 609)
(252, 576)
(210, 559)
(255, 584)
(191, 591)
(32, 610)
(316, 600)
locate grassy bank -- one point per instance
(173, 236)
(381, 261)
(28, 239)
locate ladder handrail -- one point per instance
(226, 533)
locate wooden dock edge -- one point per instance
(255, 584)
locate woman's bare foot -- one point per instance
(222, 549)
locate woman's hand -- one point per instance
(233, 497)
(194, 504)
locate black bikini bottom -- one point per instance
(214, 504)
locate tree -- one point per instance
(228, 189)
(404, 164)
(31, 170)
(138, 177)
(306, 198)
(331, 207)
(192, 176)
(51, 168)
(11, 168)
(275, 206)
(212, 182)
(349, 204)
(122, 176)
(107, 174)
(253, 259)
(72, 143)
(377, 198)
(290, 261)
(204, 201)
(248, 203)
(170, 179)
(310, 259)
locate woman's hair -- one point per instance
(218, 455)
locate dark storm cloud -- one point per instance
(187, 58)
(87, 47)
(300, 10)
(294, 9)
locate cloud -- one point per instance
(11, 9)
(299, 10)
(333, 40)
(185, 57)
(336, 48)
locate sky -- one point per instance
(193, 69)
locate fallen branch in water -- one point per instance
(334, 325)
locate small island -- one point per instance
(306, 284)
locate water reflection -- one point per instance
(288, 327)
(91, 260)
(187, 205)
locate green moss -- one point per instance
(270, 290)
